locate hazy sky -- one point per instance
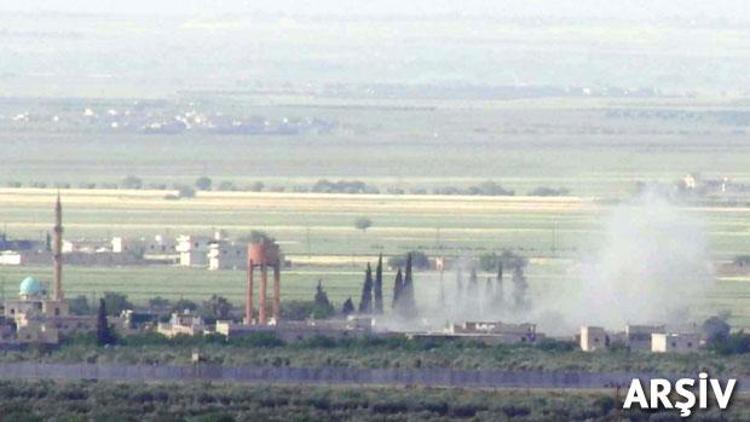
(641, 9)
(158, 47)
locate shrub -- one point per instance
(362, 223)
(419, 261)
(185, 191)
(545, 191)
(203, 183)
(132, 182)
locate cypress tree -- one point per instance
(410, 303)
(398, 286)
(348, 307)
(365, 304)
(103, 331)
(520, 286)
(459, 282)
(498, 297)
(379, 286)
(473, 288)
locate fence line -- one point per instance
(329, 375)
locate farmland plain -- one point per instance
(597, 148)
(317, 235)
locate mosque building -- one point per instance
(38, 315)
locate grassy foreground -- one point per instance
(111, 402)
(262, 350)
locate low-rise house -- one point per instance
(185, 323)
(593, 339)
(487, 332)
(675, 343)
(226, 256)
(638, 337)
(193, 250)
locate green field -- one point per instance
(598, 148)
(317, 235)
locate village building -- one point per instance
(223, 255)
(182, 323)
(675, 343)
(193, 250)
(39, 316)
(593, 339)
(638, 337)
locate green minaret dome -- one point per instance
(30, 287)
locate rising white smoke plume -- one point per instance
(651, 266)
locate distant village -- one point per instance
(41, 314)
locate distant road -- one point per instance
(328, 376)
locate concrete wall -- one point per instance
(429, 377)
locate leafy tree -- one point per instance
(116, 303)
(216, 308)
(297, 310)
(79, 305)
(378, 288)
(362, 223)
(104, 334)
(257, 187)
(323, 307)
(348, 307)
(365, 304)
(715, 330)
(734, 344)
(203, 183)
(132, 182)
(158, 303)
(183, 305)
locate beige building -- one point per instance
(193, 250)
(638, 337)
(675, 343)
(183, 323)
(226, 256)
(593, 339)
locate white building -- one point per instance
(675, 343)
(193, 250)
(226, 256)
(638, 337)
(593, 339)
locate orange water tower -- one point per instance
(263, 254)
